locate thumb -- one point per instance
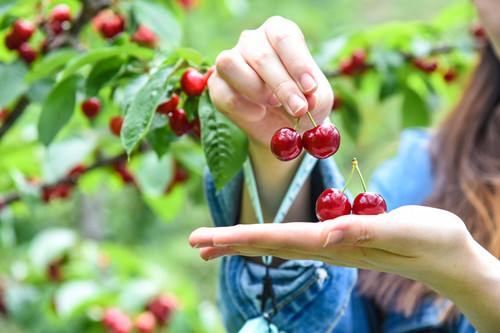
(355, 230)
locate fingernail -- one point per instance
(307, 83)
(274, 101)
(214, 256)
(295, 104)
(195, 246)
(334, 237)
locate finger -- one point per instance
(231, 102)
(234, 69)
(209, 253)
(295, 236)
(259, 54)
(287, 40)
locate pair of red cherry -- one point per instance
(333, 203)
(322, 141)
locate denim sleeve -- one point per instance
(407, 178)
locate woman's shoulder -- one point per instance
(407, 178)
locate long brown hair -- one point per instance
(466, 162)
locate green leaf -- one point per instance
(104, 53)
(160, 135)
(40, 89)
(167, 207)
(141, 111)
(224, 144)
(190, 106)
(50, 63)
(50, 244)
(5, 6)
(154, 173)
(415, 110)
(349, 112)
(11, 82)
(70, 295)
(101, 74)
(57, 109)
(159, 19)
(389, 87)
(125, 94)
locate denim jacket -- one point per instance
(313, 296)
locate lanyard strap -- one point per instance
(305, 169)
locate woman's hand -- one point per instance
(413, 241)
(268, 79)
(425, 244)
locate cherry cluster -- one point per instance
(158, 313)
(333, 202)
(193, 83)
(322, 141)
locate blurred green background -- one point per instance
(106, 214)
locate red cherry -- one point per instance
(425, 65)
(188, 4)
(169, 106)
(115, 125)
(209, 73)
(477, 30)
(196, 127)
(193, 82)
(23, 30)
(286, 144)
(76, 172)
(2, 205)
(144, 36)
(180, 176)
(54, 271)
(124, 325)
(178, 122)
(57, 191)
(4, 113)
(11, 41)
(369, 203)
(146, 322)
(450, 75)
(60, 13)
(111, 316)
(91, 107)
(112, 26)
(27, 53)
(331, 204)
(162, 307)
(322, 141)
(347, 67)
(121, 168)
(359, 58)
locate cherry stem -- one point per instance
(297, 124)
(348, 180)
(311, 118)
(355, 165)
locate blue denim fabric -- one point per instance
(315, 297)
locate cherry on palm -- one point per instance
(369, 203)
(331, 204)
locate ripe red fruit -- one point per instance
(178, 122)
(209, 73)
(91, 107)
(169, 106)
(121, 168)
(322, 141)
(477, 30)
(162, 307)
(331, 204)
(425, 65)
(57, 191)
(193, 82)
(180, 176)
(369, 203)
(347, 67)
(27, 53)
(60, 13)
(286, 144)
(115, 125)
(54, 271)
(359, 58)
(146, 322)
(450, 75)
(4, 113)
(76, 172)
(117, 321)
(145, 37)
(2, 204)
(23, 30)
(188, 4)
(112, 26)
